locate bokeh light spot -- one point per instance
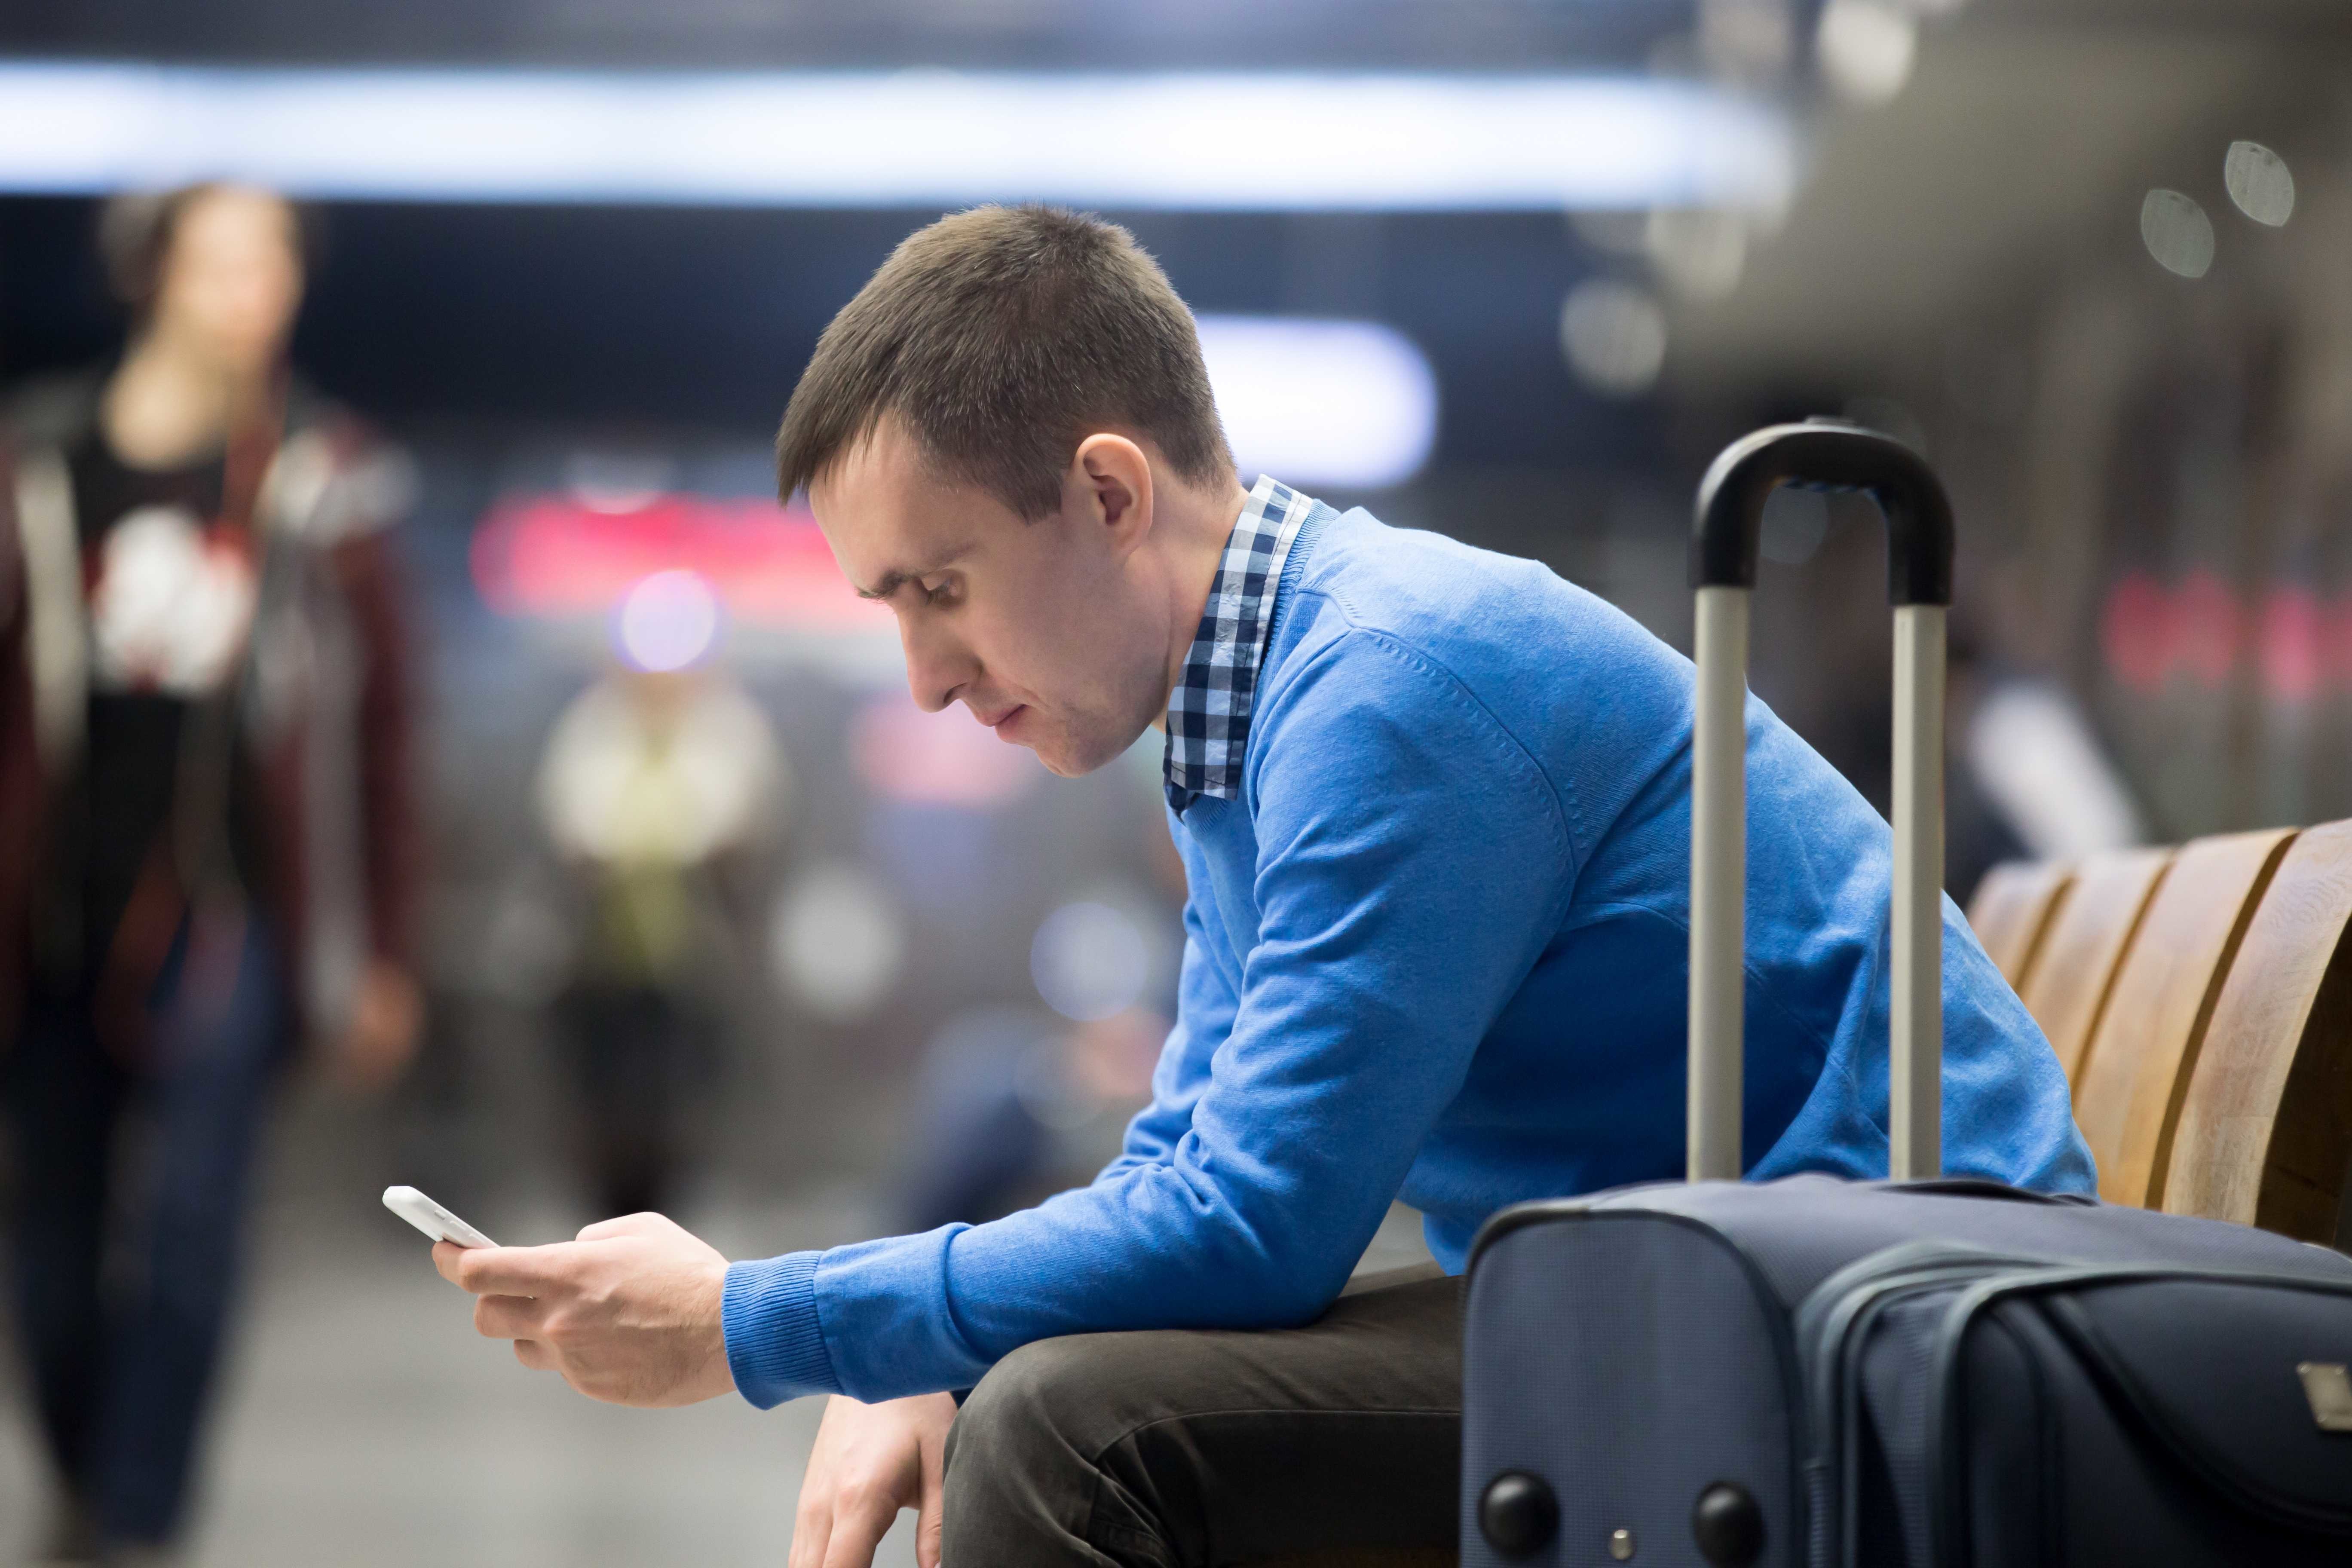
(2177, 233)
(2260, 183)
(1090, 960)
(1321, 402)
(1614, 336)
(1795, 522)
(1698, 251)
(1867, 48)
(836, 943)
(2294, 650)
(669, 621)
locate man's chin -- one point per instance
(1068, 757)
(1064, 761)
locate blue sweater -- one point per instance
(1437, 951)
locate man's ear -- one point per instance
(1110, 483)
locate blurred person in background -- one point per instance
(204, 722)
(1009, 1104)
(2032, 780)
(659, 787)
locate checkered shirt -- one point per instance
(1209, 711)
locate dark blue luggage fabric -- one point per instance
(1938, 1373)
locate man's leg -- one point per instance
(1203, 1449)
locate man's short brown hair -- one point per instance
(1004, 337)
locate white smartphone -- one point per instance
(432, 1218)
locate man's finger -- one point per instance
(506, 1317)
(812, 1527)
(860, 1521)
(929, 1518)
(534, 1355)
(620, 1225)
(444, 1258)
(515, 1270)
(931, 1513)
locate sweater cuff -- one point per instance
(775, 1346)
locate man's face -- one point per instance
(1040, 627)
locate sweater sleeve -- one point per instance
(1205, 1005)
(1412, 863)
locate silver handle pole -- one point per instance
(1718, 881)
(1916, 1090)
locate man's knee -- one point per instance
(1022, 1484)
(1034, 1410)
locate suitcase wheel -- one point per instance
(1518, 1514)
(1728, 1526)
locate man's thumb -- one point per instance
(928, 1521)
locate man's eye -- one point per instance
(937, 593)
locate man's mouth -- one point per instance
(1001, 717)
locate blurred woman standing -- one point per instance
(204, 735)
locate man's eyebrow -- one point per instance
(894, 580)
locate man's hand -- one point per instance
(380, 1040)
(870, 1461)
(628, 1313)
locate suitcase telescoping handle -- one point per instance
(1821, 455)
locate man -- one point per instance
(1433, 807)
(208, 842)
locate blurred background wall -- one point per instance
(2089, 255)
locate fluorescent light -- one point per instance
(1321, 402)
(1237, 140)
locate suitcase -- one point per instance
(1883, 1374)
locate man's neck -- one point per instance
(1203, 522)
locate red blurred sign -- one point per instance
(554, 555)
(2199, 629)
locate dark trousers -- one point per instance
(1339, 1442)
(134, 1186)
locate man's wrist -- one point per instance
(712, 1376)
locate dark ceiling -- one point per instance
(774, 33)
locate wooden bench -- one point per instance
(2264, 1133)
(2201, 1002)
(2128, 1078)
(2089, 933)
(2012, 910)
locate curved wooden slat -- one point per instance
(2088, 936)
(2129, 1081)
(2265, 1127)
(2010, 911)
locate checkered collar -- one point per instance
(1209, 711)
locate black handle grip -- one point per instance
(1824, 454)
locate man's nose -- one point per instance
(938, 667)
